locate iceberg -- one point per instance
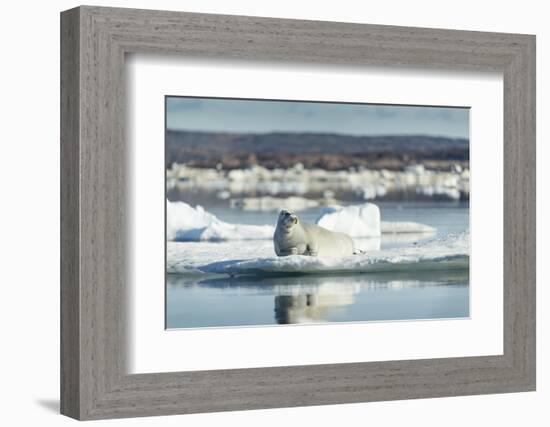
(356, 221)
(359, 221)
(185, 223)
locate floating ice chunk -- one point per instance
(416, 169)
(356, 221)
(185, 223)
(363, 220)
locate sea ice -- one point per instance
(449, 253)
(356, 221)
(185, 223)
(398, 227)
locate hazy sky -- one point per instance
(228, 115)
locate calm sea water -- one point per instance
(216, 301)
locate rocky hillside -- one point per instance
(326, 151)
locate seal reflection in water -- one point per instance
(294, 237)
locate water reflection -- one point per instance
(195, 302)
(308, 308)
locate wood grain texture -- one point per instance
(94, 267)
(70, 257)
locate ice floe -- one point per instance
(449, 253)
(356, 221)
(372, 184)
(273, 204)
(185, 223)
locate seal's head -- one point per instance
(287, 219)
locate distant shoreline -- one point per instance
(330, 152)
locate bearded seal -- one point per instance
(294, 237)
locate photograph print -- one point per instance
(284, 212)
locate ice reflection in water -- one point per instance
(240, 301)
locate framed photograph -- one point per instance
(261, 213)
(321, 206)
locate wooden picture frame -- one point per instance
(94, 41)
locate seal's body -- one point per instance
(293, 237)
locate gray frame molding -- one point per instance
(94, 41)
